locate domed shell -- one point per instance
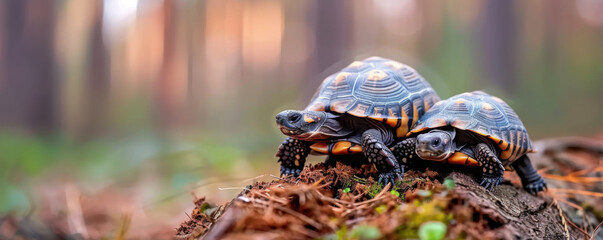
(377, 88)
(483, 114)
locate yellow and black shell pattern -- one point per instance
(482, 114)
(376, 88)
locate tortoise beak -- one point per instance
(288, 120)
(280, 119)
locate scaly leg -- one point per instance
(405, 152)
(378, 154)
(530, 179)
(292, 155)
(492, 167)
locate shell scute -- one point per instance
(377, 88)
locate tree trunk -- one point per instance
(498, 35)
(332, 24)
(28, 86)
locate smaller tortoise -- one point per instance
(365, 108)
(474, 129)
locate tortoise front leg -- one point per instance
(405, 152)
(492, 167)
(292, 155)
(377, 153)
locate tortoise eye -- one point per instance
(436, 142)
(294, 118)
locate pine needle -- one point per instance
(576, 191)
(124, 226)
(594, 234)
(562, 219)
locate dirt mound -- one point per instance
(343, 202)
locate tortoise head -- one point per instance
(436, 144)
(309, 125)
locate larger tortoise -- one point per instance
(474, 129)
(365, 108)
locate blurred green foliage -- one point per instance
(27, 160)
(179, 92)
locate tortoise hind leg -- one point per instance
(530, 179)
(292, 155)
(492, 167)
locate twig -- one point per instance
(384, 190)
(265, 195)
(579, 229)
(286, 180)
(289, 211)
(592, 236)
(75, 216)
(318, 182)
(369, 201)
(576, 207)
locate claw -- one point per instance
(390, 177)
(490, 182)
(398, 177)
(536, 187)
(290, 172)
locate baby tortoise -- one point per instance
(365, 108)
(474, 129)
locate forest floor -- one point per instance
(343, 201)
(433, 201)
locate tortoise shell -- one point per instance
(377, 88)
(482, 114)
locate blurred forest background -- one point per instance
(118, 109)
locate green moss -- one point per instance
(365, 232)
(381, 209)
(360, 232)
(395, 193)
(432, 230)
(419, 212)
(346, 184)
(374, 189)
(449, 183)
(342, 232)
